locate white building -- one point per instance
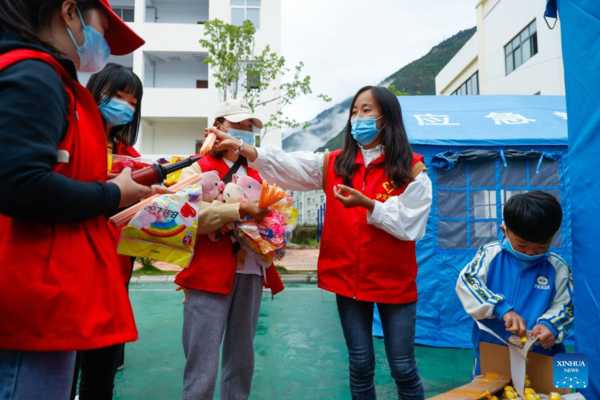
(180, 96)
(308, 205)
(512, 52)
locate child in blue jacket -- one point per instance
(517, 284)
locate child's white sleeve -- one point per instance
(559, 317)
(479, 301)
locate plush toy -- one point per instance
(251, 187)
(232, 194)
(212, 186)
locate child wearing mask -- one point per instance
(517, 284)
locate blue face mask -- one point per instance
(94, 53)
(506, 245)
(116, 111)
(247, 136)
(364, 130)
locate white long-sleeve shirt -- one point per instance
(404, 216)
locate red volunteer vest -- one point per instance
(213, 266)
(60, 284)
(358, 260)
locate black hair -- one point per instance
(398, 153)
(105, 84)
(534, 216)
(28, 18)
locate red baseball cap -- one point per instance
(121, 38)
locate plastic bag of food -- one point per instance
(268, 237)
(165, 229)
(118, 163)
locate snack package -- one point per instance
(119, 163)
(268, 237)
(165, 229)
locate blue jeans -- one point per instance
(398, 322)
(32, 375)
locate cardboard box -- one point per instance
(495, 375)
(539, 368)
(490, 381)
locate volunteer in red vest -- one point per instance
(118, 93)
(61, 289)
(378, 201)
(223, 282)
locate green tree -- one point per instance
(240, 70)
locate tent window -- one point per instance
(471, 197)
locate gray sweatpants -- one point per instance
(206, 318)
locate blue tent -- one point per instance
(580, 30)
(479, 151)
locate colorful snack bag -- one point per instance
(165, 229)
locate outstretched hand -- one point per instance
(351, 198)
(223, 140)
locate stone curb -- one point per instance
(151, 279)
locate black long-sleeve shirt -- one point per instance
(33, 122)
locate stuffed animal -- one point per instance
(251, 187)
(212, 186)
(232, 194)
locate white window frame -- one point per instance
(121, 9)
(246, 7)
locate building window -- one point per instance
(242, 10)
(521, 48)
(470, 87)
(248, 78)
(471, 198)
(126, 13)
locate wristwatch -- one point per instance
(240, 147)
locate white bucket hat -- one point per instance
(237, 111)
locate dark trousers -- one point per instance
(398, 322)
(98, 368)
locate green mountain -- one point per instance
(418, 77)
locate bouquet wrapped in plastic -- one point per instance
(165, 228)
(268, 237)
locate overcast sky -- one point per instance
(346, 44)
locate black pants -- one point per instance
(98, 368)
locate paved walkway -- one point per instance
(294, 260)
(300, 259)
